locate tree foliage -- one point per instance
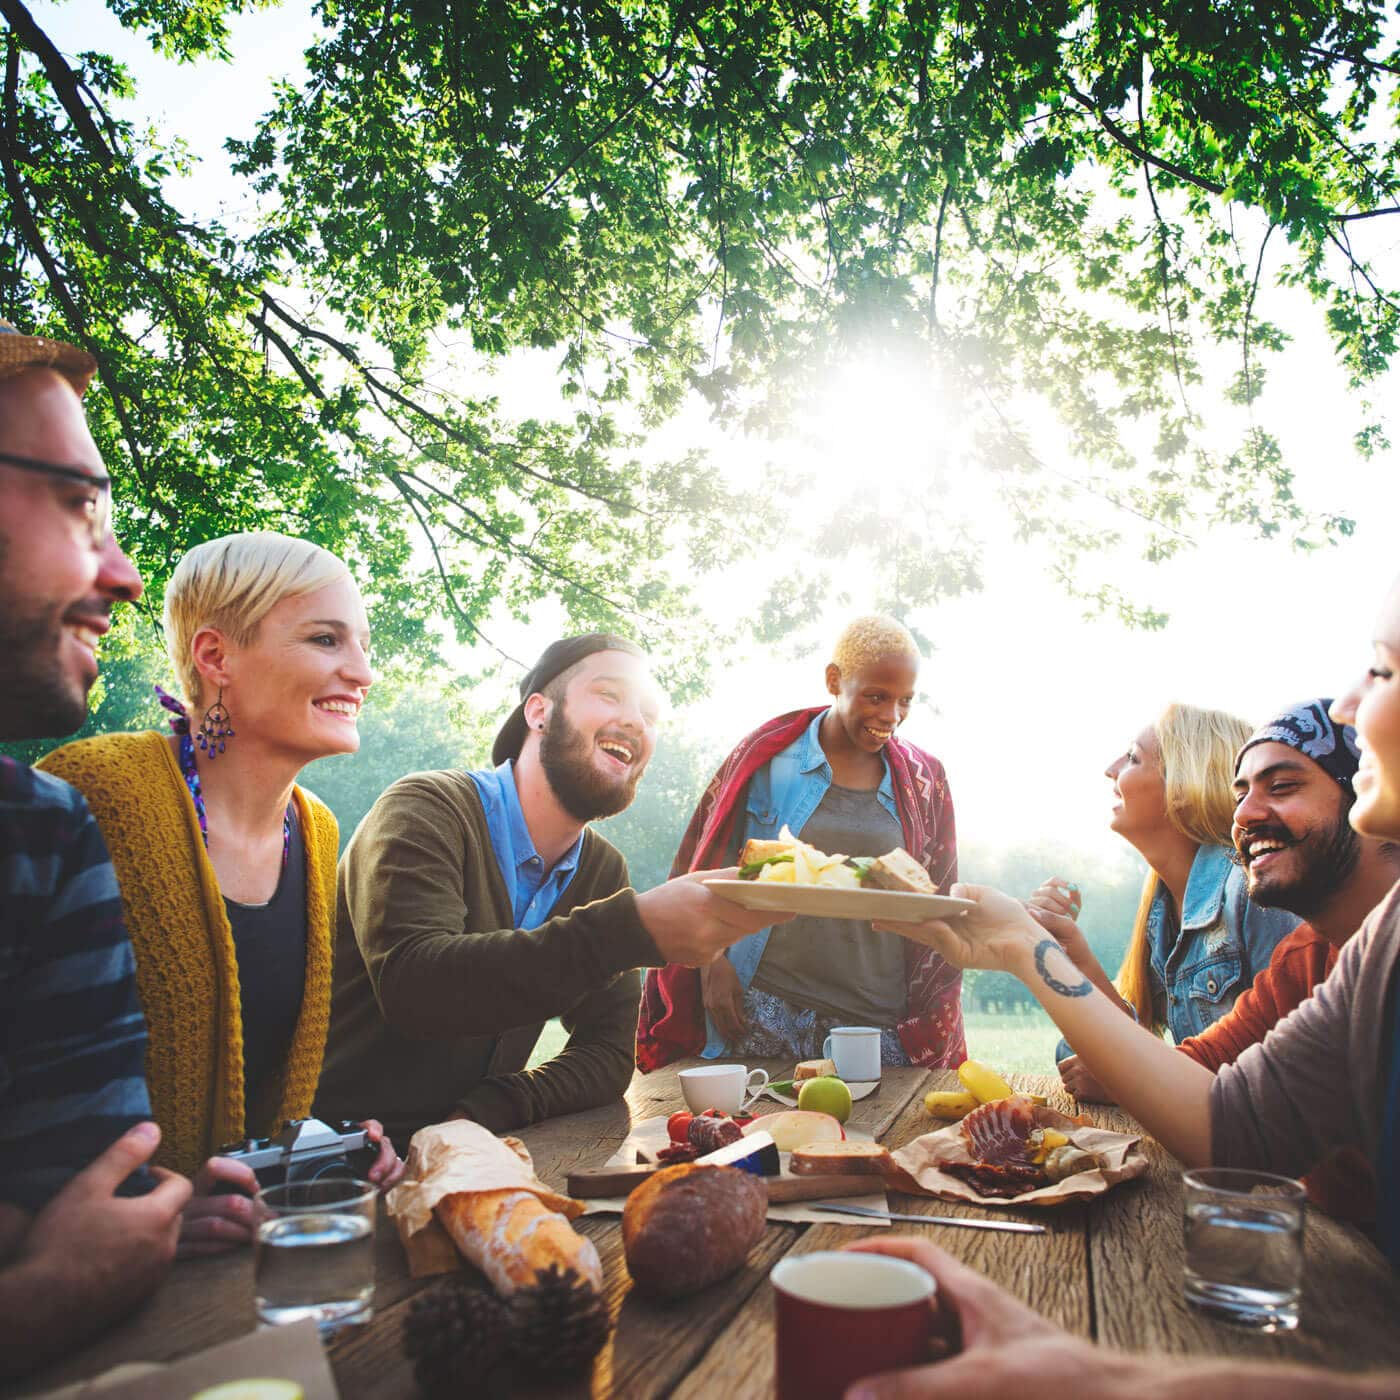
(1069, 207)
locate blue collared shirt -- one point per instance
(785, 792)
(533, 890)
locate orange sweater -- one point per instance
(186, 966)
(1343, 1185)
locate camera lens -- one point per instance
(322, 1169)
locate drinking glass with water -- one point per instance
(1244, 1247)
(315, 1252)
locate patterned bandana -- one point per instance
(1307, 727)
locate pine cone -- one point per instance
(560, 1322)
(455, 1335)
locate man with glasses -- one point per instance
(87, 1230)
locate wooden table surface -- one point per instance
(1110, 1270)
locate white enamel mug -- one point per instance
(729, 1088)
(855, 1051)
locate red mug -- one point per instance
(844, 1316)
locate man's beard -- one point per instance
(1329, 857)
(567, 759)
(39, 698)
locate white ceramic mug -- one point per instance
(855, 1051)
(729, 1088)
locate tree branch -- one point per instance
(522, 552)
(29, 231)
(1162, 260)
(411, 498)
(1366, 214)
(453, 434)
(309, 380)
(1128, 144)
(943, 201)
(1249, 315)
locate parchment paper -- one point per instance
(445, 1159)
(918, 1169)
(292, 1353)
(651, 1134)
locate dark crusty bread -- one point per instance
(900, 871)
(839, 1158)
(690, 1225)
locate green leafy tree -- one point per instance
(1068, 207)
(222, 406)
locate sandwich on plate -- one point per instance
(789, 861)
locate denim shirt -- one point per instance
(785, 792)
(1201, 969)
(533, 890)
(1225, 940)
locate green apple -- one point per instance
(826, 1094)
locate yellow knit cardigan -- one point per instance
(186, 968)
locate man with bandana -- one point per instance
(1293, 791)
(475, 906)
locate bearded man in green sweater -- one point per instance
(473, 907)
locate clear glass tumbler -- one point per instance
(1244, 1247)
(315, 1252)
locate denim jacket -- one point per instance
(1202, 968)
(784, 793)
(1199, 970)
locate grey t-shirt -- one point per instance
(1317, 1081)
(841, 967)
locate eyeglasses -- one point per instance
(97, 505)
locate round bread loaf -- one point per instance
(690, 1225)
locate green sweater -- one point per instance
(438, 1001)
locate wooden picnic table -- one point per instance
(1110, 1270)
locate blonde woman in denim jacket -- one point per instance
(1198, 940)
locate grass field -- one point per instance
(1012, 1042)
(1005, 1042)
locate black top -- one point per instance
(269, 941)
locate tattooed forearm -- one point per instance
(1065, 989)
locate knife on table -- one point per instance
(1015, 1227)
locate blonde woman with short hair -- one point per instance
(840, 777)
(1198, 940)
(226, 866)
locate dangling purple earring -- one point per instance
(214, 728)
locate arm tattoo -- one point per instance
(1045, 946)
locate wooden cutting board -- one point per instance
(621, 1181)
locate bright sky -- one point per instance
(1028, 701)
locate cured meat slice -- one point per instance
(1007, 1181)
(997, 1133)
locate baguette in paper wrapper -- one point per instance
(463, 1186)
(917, 1168)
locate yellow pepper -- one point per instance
(949, 1104)
(986, 1084)
(1049, 1141)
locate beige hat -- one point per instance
(21, 352)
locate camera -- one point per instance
(307, 1150)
